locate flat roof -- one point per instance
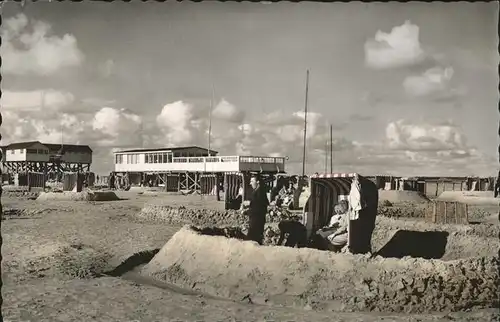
(164, 149)
(50, 146)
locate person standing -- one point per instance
(257, 211)
(111, 181)
(497, 186)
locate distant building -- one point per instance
(191, 159)
(45, 157)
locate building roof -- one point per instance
(69, 147)
(51, 147)
(165, 149)
(21, 145)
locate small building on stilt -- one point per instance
(49, 160)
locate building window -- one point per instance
(119, 159)
(167, 157)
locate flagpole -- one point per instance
(210, 119)
(305, 126)
(331, 148)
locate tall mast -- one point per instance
(331, 148)
(210, 119)
(305, 126)
(326, 156)
(62, 141)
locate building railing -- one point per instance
(268, 160)
(242, 159)
(205, 159)
(228, 159)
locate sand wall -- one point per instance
(279, 275)
(78, 196)
(199, 216)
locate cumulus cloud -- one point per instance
(403, 135)
(38, 100)
(177, 123)
(432, 81)
(400, 47)
(228, 112)
(68, 127)
(28, 48)
(118, 127)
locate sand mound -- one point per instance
(202, 217)
(59, 260)
(280, 275)
(78, 196)
(403, 210)
(470, 197)
(396, 196)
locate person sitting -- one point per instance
(336, 231)
(297, 233)
(237, 202)
(338, 238)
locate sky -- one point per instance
(408, 88)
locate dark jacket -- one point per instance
(258, 204)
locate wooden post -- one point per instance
(445, 213)
(226, 191)
(456, 214)
(217, 188)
